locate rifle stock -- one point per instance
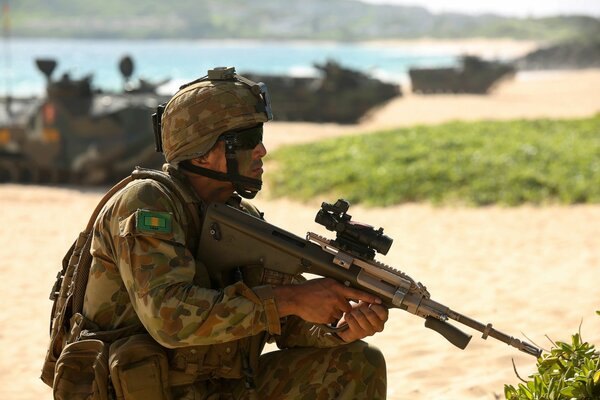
(231, 238)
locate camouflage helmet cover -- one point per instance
(199, 113)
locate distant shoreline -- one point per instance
(490, 48)
(384, 42)
(500, 48)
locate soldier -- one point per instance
(179, 333)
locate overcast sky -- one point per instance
(519, 8)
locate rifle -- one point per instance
(349, 259)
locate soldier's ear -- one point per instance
(200, 161)
(212, 158)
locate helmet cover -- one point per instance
(199, 113)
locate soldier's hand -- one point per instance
(321, 301)
(363, 320)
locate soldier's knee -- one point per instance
(375, 357)
(372, 368)
(368, 354)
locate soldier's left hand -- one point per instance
(364, 320)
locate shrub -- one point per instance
(568, 371)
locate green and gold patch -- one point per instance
(153, 221)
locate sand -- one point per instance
(530, 271)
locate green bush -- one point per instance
(476, 163)
(568, 371)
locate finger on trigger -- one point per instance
(355, 294)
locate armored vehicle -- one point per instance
(338, 94)
(473, 76)
(76, 133)
(575, 54)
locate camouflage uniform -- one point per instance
(213, 331)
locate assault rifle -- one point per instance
(349, 259)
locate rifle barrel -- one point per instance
(487, 330)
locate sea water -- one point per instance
(184, 60)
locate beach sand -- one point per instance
(530, 271)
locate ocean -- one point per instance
(185, 60)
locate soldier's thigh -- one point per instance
(353, 371)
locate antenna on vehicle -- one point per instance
(46, 66)
(126, 67)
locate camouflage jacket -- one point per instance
(143, 273)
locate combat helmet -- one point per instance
(219, 106)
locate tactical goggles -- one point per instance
(244, 139)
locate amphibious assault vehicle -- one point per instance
(76, 133)
(473, 76)
(338, 94)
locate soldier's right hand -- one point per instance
(321, 301)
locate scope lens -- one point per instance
(375, 240)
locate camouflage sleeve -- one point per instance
(162, 282)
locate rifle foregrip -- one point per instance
(450, 332)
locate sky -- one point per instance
(517, 8)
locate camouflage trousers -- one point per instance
(352, 371)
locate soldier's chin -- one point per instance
(257, 173)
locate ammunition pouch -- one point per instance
(139, 369)
(82, 371)
(135, 364)
(189, 364)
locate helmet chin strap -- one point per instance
(243, 185)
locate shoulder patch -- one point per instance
(154, 221)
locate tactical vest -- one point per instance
(139, 368)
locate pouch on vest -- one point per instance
(66, 291)
(221, 360)
(139, 369)
(82, 371)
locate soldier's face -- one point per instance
(250, 162)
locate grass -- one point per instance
(476, 163)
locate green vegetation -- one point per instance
(477, 163)
(568, 371)
(344, 20)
